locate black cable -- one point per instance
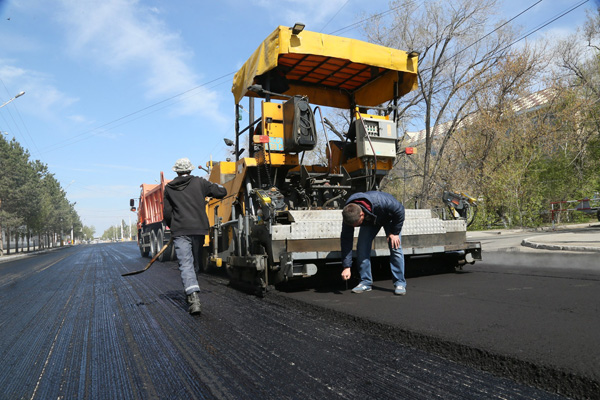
(335, 15)
(366, 19)
(510, 20)
(546, 24)
(339, 30)
(54, 147)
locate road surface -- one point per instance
(72, 327)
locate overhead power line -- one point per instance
(348, 27)
(83, 135)
(544, 24)
(500, 27)
(365, 20)
(335, 15)
(16, 124)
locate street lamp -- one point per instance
(16, 96)
(5, 103)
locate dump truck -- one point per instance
(153, 234)
(282, 217)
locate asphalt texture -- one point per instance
(529, 310)
(72, 327)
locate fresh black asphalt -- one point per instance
(72, 327)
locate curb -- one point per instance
(11, 257)
(533, 245)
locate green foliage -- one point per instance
(88, 232)
(514, 153)
(112, 233)
(517, 160)
(118, 232)
(31, 198)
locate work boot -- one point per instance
(194, 302)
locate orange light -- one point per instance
(260, 139)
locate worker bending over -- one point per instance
(370, 211)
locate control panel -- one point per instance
(375, 135)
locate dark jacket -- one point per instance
(386, 212)
(184, 207)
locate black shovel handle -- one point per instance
(151, 261)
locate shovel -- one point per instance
(151, 261)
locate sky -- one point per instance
(117, 90)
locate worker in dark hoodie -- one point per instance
(185, 213)
(370, 211)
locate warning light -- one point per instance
(260, 139)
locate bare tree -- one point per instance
(591, 29)
(578, 77)
(461, 46)
(579, 62)
(578, 55)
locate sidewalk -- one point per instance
(13, 256)
(579, 238)
(587, 241)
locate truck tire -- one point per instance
(153, 250)
(143, 251)
(160, 241)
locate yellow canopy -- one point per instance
(330, 70)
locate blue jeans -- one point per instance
(366, 235)
(184, 248)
